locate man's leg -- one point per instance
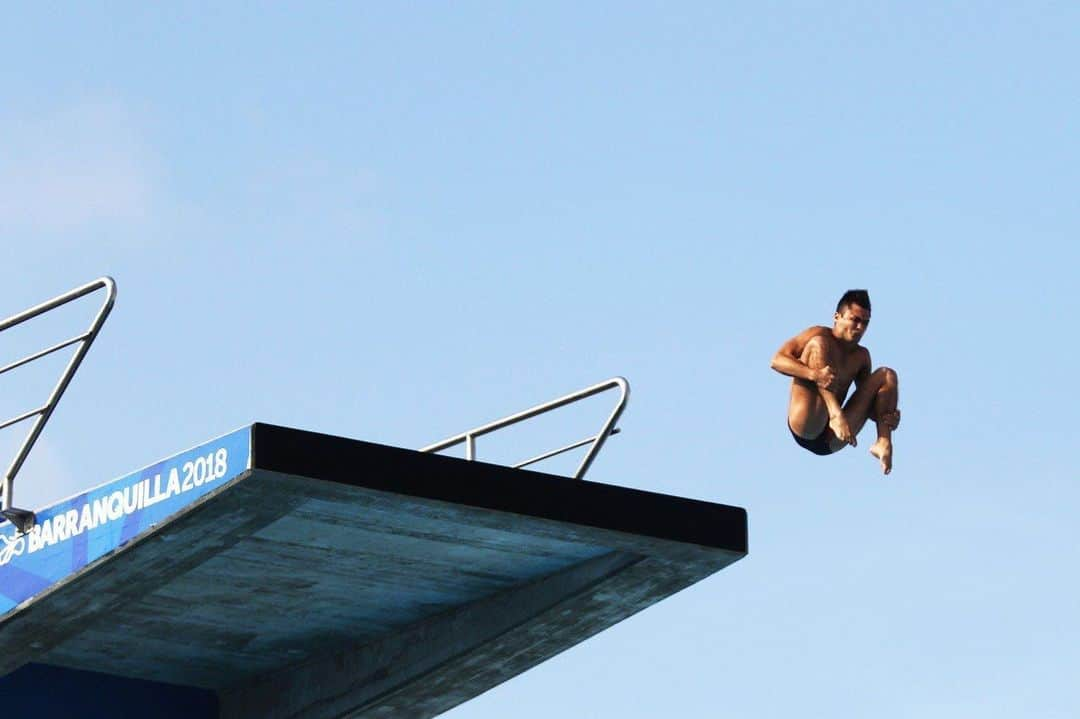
(807, 414)
(819, 352)
(877, 399)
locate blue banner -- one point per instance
(77, 531)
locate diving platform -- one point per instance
(275, 572)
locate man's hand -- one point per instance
(825, 378)
(891, 419)
(839, 426)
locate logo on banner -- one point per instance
(11, 547)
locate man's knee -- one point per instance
(887, 376)
(816, 352)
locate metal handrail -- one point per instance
(560, 450)
(469, 437)
(24, 519)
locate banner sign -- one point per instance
(77, 531)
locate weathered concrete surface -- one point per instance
(336, 683)
(341, 578)
(108, 588)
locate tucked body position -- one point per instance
(823, 363)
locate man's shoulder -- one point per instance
(818, 331)
(810, 333)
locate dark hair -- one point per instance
(854, 297)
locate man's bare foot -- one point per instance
(842, 430)
(882, 449)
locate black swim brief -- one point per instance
(817, 445)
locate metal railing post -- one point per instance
(608, 428)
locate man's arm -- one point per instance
(863, 373)
(786, 361)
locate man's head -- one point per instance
(852, 316)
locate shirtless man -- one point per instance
(822, 363)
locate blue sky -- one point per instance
(395, 222)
